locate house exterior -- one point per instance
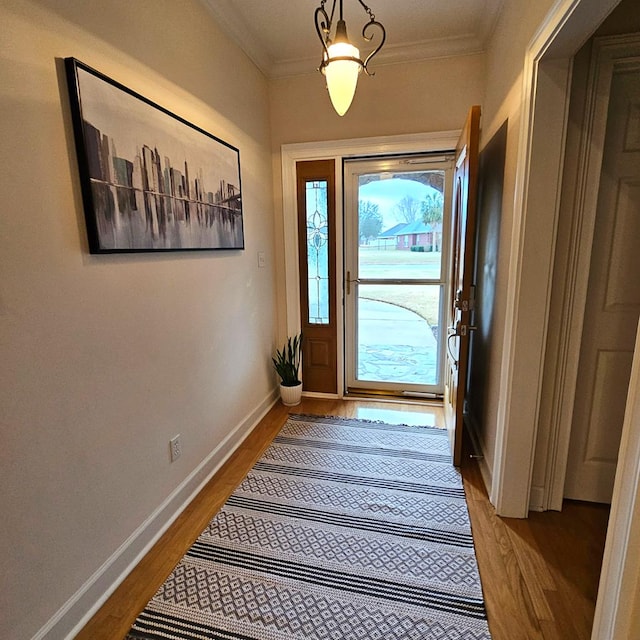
(411, 236)
(106, 358)
(389, 239)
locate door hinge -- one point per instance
(462, 304)
(459, 303)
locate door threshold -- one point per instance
(394, 396)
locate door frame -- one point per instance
(336, 150)
(543, 112)
(582, 198)
(538, 180)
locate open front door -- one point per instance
(459, 315)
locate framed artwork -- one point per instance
(151, 181)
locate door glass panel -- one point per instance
(400, 225)
(398, 333)
(317, 251)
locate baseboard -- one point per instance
(486, 473)
(315, 394)
(79, 609)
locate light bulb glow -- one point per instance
(342, 75)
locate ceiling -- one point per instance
(280, 36)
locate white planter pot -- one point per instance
(291, 396)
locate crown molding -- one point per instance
(243, 35)
(391, 54)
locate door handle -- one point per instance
(461, 330)
(452, 334)
(348, 282)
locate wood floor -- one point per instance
(539, 576)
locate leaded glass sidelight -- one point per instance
(317, 251)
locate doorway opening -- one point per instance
(396, 273)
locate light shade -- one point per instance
(341, 62)
(342, 75)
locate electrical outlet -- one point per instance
(175, 447)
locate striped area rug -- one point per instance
(343, 530)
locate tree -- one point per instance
(369, 220)
(408, 209)
(431, 208)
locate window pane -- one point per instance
(398, 333)
(317, 252)
(400, 225)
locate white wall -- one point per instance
(431, 95)
(104, 358)
(505, 60)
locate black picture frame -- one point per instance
(151, 181)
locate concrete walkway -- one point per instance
(395, 345)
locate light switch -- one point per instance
(261, 259)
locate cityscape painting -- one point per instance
(151, 181)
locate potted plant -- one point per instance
(287, 364)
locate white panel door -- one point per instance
(613, 301)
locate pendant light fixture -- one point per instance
(341, 63)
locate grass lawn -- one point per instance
(371, 255)
(421, 299)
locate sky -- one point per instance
(387, 193)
